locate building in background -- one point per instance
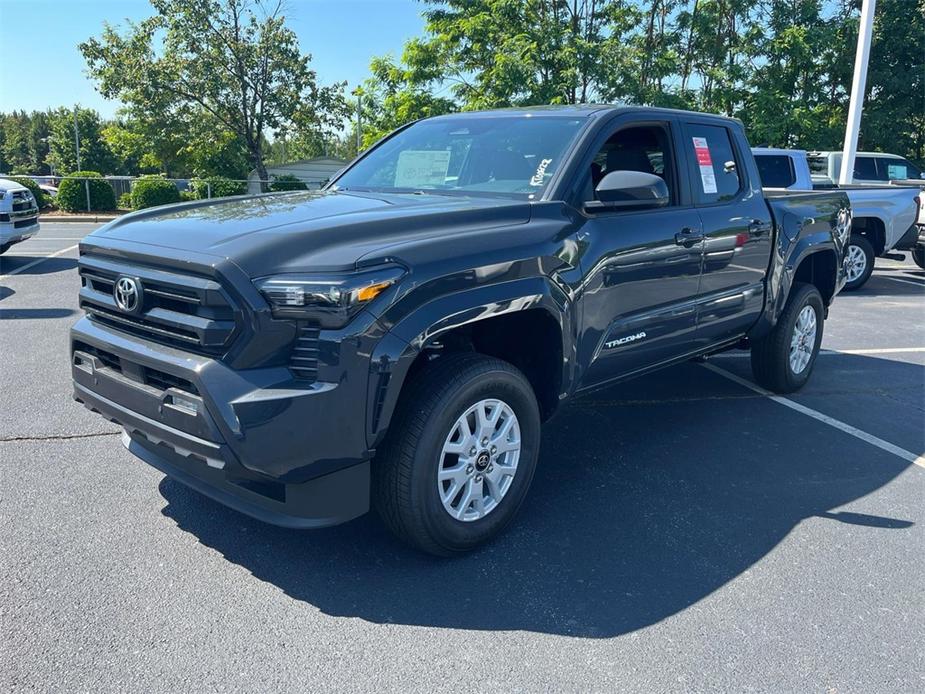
(313, 172)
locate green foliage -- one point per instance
(287, 182)
(125, 201)
(95, 155)
(217, 187)
(150, 191)
(188, 195)
(234, 60)
(23, 142)
(37, 192)
(72, 196)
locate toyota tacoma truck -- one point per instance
(884, 218)
(397, 339)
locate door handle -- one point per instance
(688, 236)
(758, 227)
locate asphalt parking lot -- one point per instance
(684, 533)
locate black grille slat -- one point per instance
(188, 311)
(303, 362)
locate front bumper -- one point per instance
(10, 234)
(284, 452)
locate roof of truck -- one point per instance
(581, 111)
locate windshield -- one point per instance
(500, 155)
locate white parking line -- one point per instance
(39, 260)
(887, 350)
(824, 418)
(904, 281)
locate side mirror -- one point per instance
(626, 190)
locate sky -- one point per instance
(42, 68)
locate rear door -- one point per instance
(726, 191)
(641, 267)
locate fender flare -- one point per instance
(397, 350)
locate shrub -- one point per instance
(37, 192)
(72, 195)
(220, 187)
(150, 191)
(125, 201)
(187, 195)
(287, 182)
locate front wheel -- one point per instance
(783, 360)
(460, 454)
(918, 257)
(859, 262)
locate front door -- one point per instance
(641, 268)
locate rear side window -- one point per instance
(716, 172)
(819, 165)
(865, 168)
(776, 170)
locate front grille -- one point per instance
(22, 201)
(145, 374)
(187, 311)
(20, 223)
(304, 360)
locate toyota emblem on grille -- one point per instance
(127, 293)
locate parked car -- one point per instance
(400, 337)
(19, 214)
(884, 217)
(869, 167)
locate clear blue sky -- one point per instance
(42, 67)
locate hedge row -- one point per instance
(72, 193)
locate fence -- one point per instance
(205, 188)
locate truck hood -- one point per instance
(297, 232)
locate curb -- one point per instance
(87, 218)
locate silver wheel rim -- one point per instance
(479, 460)
(855, 263)
(804, 340)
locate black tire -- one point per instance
(405, 491)
(868, 254)
(918, 257)
(771, 354)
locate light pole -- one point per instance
(77, 150)
(858, 86)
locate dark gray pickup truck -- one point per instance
(398, 338)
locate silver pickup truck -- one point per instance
(19, 214)
(884, 217)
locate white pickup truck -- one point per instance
(884, 217)
(19, 214)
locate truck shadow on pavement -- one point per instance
(649, 496)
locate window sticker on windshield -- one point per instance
(705, 163)
(422, 168)
(537, 179)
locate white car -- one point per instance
(884, 217)
(19, 214)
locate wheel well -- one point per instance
(819, 269)
(873, 230)
(531, 340)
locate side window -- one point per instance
(776, 170)
(865, 168)
(717, 172)
(644, 148)
(896, 169)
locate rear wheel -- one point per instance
(460, 454)
(783, 360)
(859, 262)
(918, 257)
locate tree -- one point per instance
(95, 155)
(233, 59)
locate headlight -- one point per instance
(330, 300)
